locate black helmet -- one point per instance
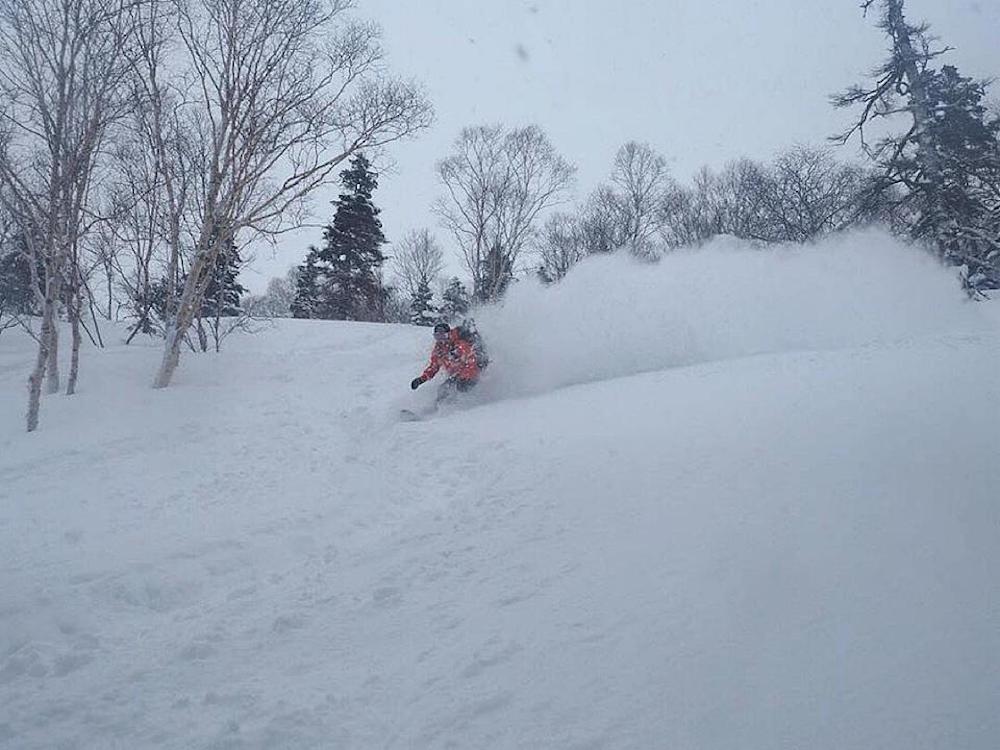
(441, 331)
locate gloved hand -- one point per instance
(416, 383)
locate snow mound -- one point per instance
(614, 316)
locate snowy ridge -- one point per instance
(794, 549)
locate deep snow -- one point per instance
(737, 500)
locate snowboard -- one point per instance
(417, 415)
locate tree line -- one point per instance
(505, 191)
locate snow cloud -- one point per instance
(614, 316)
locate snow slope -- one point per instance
(770, 540)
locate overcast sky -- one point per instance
(703, 81)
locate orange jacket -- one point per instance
(456, 356)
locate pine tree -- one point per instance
(455, 300)
(221, 299)
(422, 309)
(223, 292)
(966, 222)
(351, 258)
(16, 294)
(946, 163)
(306, 303)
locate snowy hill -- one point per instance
(738, 500)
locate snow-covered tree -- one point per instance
(945, 160)
(307, 302)
(351, 258)
(17, 293)
(223, 291)
(455, 301)
(422, 309)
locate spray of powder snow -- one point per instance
(613, 316)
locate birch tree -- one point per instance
(497, 184)
(560, 246)
(418, 260)
(62, 72)
(808, 194)
(281, 92)
(641, 182)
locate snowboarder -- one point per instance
(457, 356)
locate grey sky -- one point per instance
(703, 81)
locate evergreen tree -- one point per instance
(966, 220)
(16, 294)
(351, 258)
(159, 303)
(945, 164)
(223, 292)
(221, 299)
(422, 310)
(306, 303)
(455, 300)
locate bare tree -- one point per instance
(602, 227)
(497, 183)
(283, 92)
(628, 212)
(903, 73)
(687, 217)
(641, 182)
(63, 64)
(560, 246)
(159, 170)
(276, 301)
(473, 178)
(808, 194)
(417, 261)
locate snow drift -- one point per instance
(614, 316)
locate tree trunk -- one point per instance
(218, 323)
(38, 374)
(52, 363)
(74, 367)
(202, 336)
(141, 325)
(918, 90)
(191, 300)
(171, 357)
(919, 102)
(97, 326)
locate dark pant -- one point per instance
(452, 387)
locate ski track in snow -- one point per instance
(788, 550)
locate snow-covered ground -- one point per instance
(737, 500)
